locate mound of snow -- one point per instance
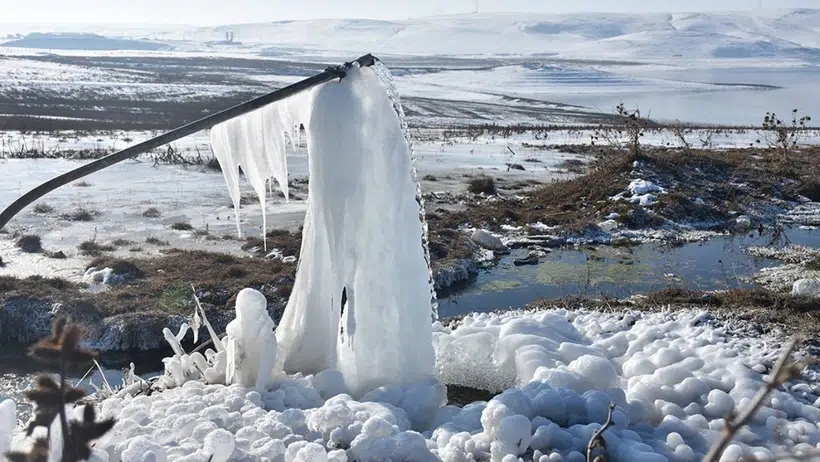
(639, 192)
(806, 288)
(487, 240)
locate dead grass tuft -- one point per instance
(156, 241)
(182, 226)
(80, 214)
(43, 208)
(482, 185)
(152, 212)
(94, 248)
(30, 243)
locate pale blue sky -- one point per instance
(235, 11)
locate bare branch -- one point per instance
(784, 370)
(597, 440)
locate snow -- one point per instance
(608, 225)
(717, 35)
(806, 288)
(362, 232)
(673, 378)
(487, 240)
(639, 192)
(251, 348)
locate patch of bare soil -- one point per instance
(161, 289)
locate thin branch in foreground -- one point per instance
(784, 370)
(597, 440)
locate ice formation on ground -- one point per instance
(672, 376)
(8, 422)
(639, 192)
(251, 343)
(806, 288)
(361, 302)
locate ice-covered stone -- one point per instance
(806, 288)
(608, 225)
(487, 240)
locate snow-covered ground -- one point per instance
(722, 68)
(192, 195)
(673, 378)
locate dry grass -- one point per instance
(30, 243)
(43, 208)
(162, 280)
(94, 248)
(288, 242)
(482, 185)
(156, 241)
(152, 212)
(182, 226)
(726, 181)
(80, 214)
(157, 282)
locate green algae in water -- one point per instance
(595, 272)
(497, 285)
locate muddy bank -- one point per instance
(658, 194)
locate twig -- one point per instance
(783, 371)
(67, 447)
(597, 440)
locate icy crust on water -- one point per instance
(361, 301)
(672, 377)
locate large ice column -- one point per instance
(361, 302)
(376, 250)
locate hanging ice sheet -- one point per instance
(363, 236)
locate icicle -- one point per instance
(256, 143)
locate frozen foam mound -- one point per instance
(362, 300)
(673, 378)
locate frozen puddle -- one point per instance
(672, 377)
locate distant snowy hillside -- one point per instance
(750, 34)
(81, 41)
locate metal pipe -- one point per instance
(331, 73)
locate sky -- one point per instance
(209, 12)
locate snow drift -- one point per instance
(361, 302)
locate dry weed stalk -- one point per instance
(785, 369)
(51, 396)
(597, 440)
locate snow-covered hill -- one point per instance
(749, 34)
